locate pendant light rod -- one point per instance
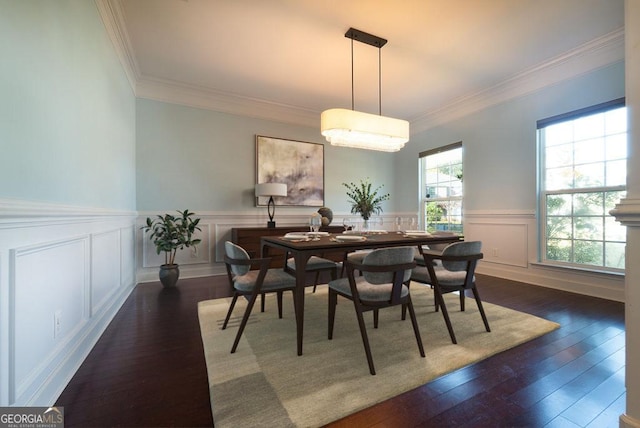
(372, 40)
(352, 93)
(380, 81)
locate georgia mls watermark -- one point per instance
(31, 417)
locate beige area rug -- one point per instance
(265, 383)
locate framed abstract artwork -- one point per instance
(298, 164)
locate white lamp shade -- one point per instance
(271, 189)
(350, 128)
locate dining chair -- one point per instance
(454, 272)
(382, 284)
(317, 265)
(252, 283)
(434, 247)
(314, 264)
(354, 257)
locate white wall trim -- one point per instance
(598, 53)
(627, 421)
(205, 98)
(627, 212)
(510, 251)
(511, 232)
(484, 214)
(15, 212)
(604, 286)
(53, 259)
(113, 19)
(590, 56)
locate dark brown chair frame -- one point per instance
(253, 294)
(362, 306)
(333, 271)
(469, 283)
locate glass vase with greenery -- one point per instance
(364, 200)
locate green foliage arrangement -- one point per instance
(171, 233)
(363, 200)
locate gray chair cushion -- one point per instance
(244, 278)
(367, 291)
(446, 278)
(377, 286)
(385, 257)
(450, 274)
(314, 263)
(275, 279)
(237, 252)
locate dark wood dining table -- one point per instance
(301, 250)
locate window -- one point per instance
(583, 169)
(441, 188)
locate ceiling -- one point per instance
(289, 60)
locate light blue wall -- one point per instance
(500, 142)
(67, 193)
(67, 111)
(205, 160)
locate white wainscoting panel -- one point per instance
(64, 273)
(49, 280)
(501, 243)
(128, 255)
(105, 268)
(510, 247)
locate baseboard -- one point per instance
(151, 274)
(590, 284)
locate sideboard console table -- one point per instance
(249, 239)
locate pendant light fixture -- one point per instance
(351, 128)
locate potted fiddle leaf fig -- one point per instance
(170, 233)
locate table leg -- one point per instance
(301, 267)
(298, 295)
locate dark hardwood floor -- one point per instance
(148, 369)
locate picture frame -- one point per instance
(298, 164)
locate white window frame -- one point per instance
(569, 214)
(425, 197)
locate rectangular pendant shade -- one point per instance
(350, 128)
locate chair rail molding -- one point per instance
(513, 233)
(510, 246)
(216, 229)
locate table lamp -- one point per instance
(271, 190)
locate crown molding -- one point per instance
(598, 53)
(206, 98)
(113, 19)
(590, 56)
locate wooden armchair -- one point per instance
(252, 283)
(455, 272)
(382, 284)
